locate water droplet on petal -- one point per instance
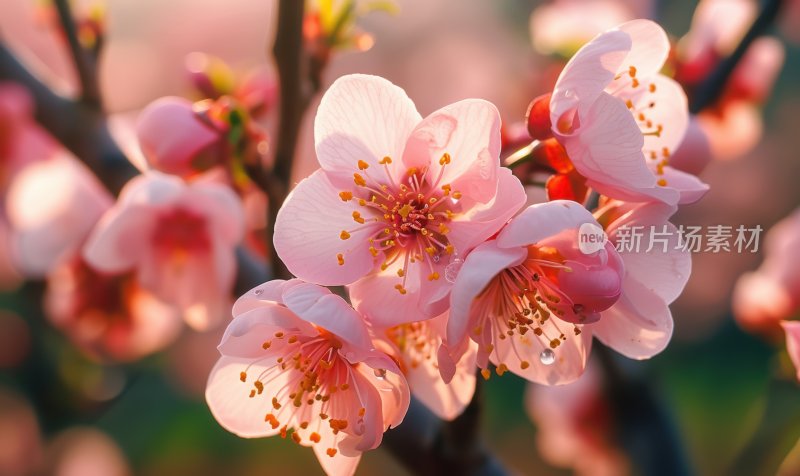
(547, 357)
(452, 269)
(380, 373)
(258, 292)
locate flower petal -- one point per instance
(120, 238)
(363, 118)
(246, 334)
(479, 268)
(639, 325)
(338, 464)
(307, 235)
(319, 306)
(649, 47)
(543, 220)
(469, 131)
(690, 187)
(792, 329)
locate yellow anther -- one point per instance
(266, 345)
(457, 195)
(405, 211)
(430, 250)
(652, 87)
(486, 374)
(445, 159)
(386, 160)
(331, 452)
(433, 276)
(243, 376)
(359, 180)
(662, 182)
(362, 202)
(632, 71)
(362, 165)
(357, 217)
(443, 229)
(401, 273)
(501, 369)
(384, 266)
(635, 83)
(344, 235)
(373, 251)
(665, 151)
(315, 437)
(629, 103)
(446, 189)
(400, 288)
(411, 171)
(524, 364)
(340, 258)
(346, 196)
(449, 249)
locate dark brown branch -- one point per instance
(84, 61)
(712, 87)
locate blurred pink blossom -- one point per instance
(397, 198)
(108, 316)
(21, 449)
(180, 238)
(792, 329)
(303, 357)
(620, 119)
(765, 297)
(85, 451)
(575, 426)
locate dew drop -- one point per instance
(258, 292)
(452, 269)
(547, 357)
(380, 373)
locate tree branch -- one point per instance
(710, 90)
(85, 63)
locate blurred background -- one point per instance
(730, 395)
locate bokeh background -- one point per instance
(725, 391)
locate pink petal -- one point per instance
(151, 188)
(227, 397)
(690, 187)
(363, 118)
(220, 205)
(570, 356)
(390, 385)
(261, 295)
(792, 329)
(469, 131)
(319, 306)
(649, 47)
(638, 326)
(479, 268)
(376, 298)
(663, 272)
(119, 240)
(543, 220)
(246, 333)
(307, 235)
(694, 153)
(338, 464)
(52, 207)
(476, 225)
(588, 72)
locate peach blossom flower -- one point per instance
(21, 141)
(108, 317)
(533, 298)
(444, 386)
(770, 294)
(52, 206)
(575, 426)
(397, 198)
(176, 139)
(792, 329)
(619, 119)
(297, 360)
(180, 238)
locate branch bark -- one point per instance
(84, 62)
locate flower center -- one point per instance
(416, 341)
(408, 216)
(182, 232)
(317, 394)
(518, 304)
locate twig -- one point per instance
(295, 95)
(84, 62)
(710, 90)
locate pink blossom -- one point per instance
(563, 25)
(176, 139)
(180, 238)
(297, 360)
(52, 206)
(444, 386)
(108, 317)
(532, 299)
(397, 198)
(575, 426)
(770, 294)
(792, 329)
(620, 120)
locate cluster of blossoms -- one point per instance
(445, 268)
